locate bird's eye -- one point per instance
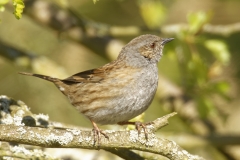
(152, 45)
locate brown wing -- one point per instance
(89, 76)
(93, 75)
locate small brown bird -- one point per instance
(119, 90)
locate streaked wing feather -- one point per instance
(89, 76)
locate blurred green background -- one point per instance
(199, 72)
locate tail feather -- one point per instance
(48, 78)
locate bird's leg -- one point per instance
(137, 125)
(96, 133)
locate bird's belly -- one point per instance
(121, 112)
(124, 108)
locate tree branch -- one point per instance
(72, 138)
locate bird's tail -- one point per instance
(48, 78)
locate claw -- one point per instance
(97, 132)
(138, 125)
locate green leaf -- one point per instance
(222, 88)
(219, 50)
(3, 2)
(18, 8)
(197, 20)
(2, 8)
(95, 1)
(205, 107)
(153, 12)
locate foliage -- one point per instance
(198, 73)
(153, 12)
(2, 3)
(95, 1)
(18, 7)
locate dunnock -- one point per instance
(119, 90)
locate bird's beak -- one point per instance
(166, 40)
